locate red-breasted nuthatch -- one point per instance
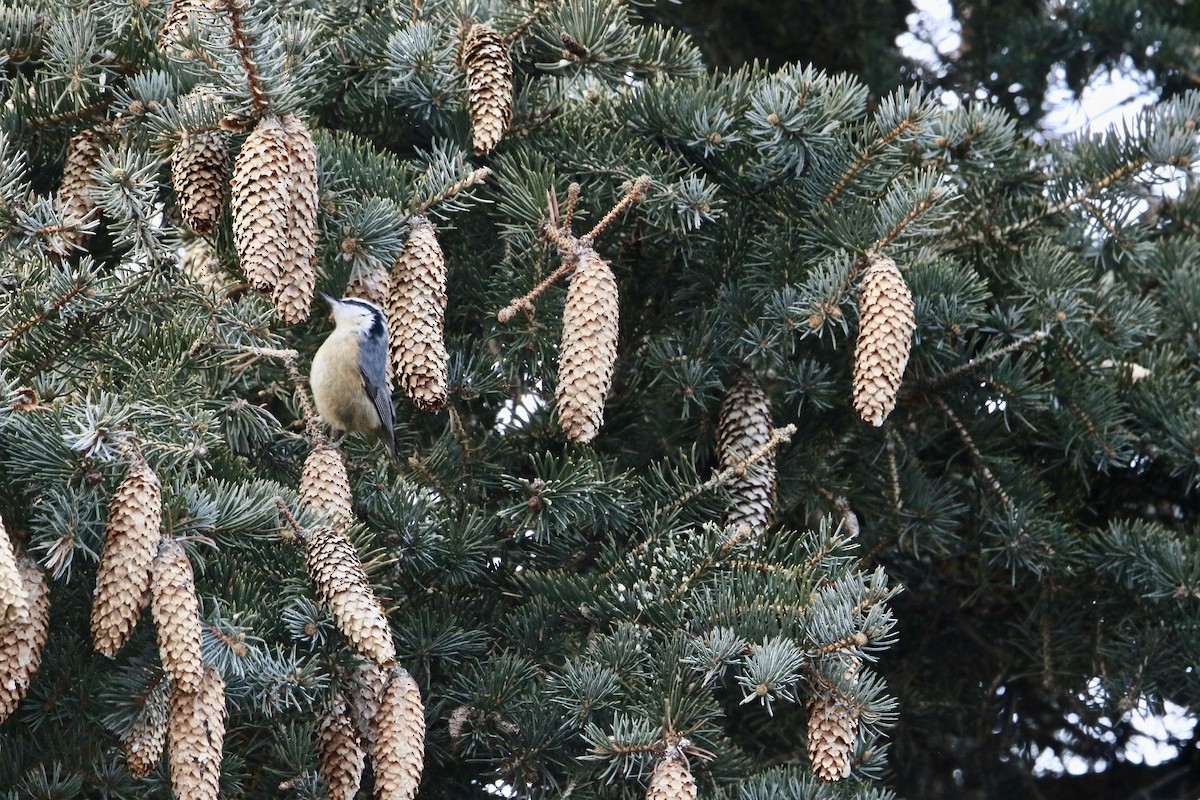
(349, 371)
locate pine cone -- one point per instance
(298, 274)
(417, 316)
(341, 753)
(325, 486)
(130, 543)
(832, 728)
(21, 639)
(367, 685)
(399, 752)
(744, 428)
(489, 87)
(195, 738)
(76, 189)
(145, 740)
(262, 198)
(176, 612)
(179, 19)
(671, 779)
(886, 325)
(589, 347)
(335, 568)
(14, 605)
(200, 175)
(371, 282)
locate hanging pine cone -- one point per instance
(298, 274)
(22, 639)
(76, 191)
(832, 729)
(195, 738)
(261, 204)
(886, 325)
(417, 315)
(130, 543)
(489, 87)
(179, 19)
(14, 604)
(341, 753)
(325, 486)
(176, 612)
(334, 567)
(145, 740)
(399, 753)
(200, 175)
(671, 779)
(370, 281)
(589, 347)
(366, 690)
(743, 429)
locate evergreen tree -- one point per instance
(788, 441)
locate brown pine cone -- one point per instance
(14, 604)
(176, 612)
(179, 19)
(489, 87)
(886, 325)
(22, 638)
(371, 282)
(366, 689)
(832, 729)
(342, 757)
(671, 779)
(196, 736)
(325, 486)
(398, 756)
(298, 274)
(200, 175)
(416, 317)
(145, 740)
(130, 543)
(262, 200)
(334, 567)
(76, 190)
(743, 429)
(589, 347)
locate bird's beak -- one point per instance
(328, 299)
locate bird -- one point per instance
(349, 371)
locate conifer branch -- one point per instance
(476, 177)
(920, 208)
(527, 21)
(632, 195)
(778, 437)
(291, 359)
(69, 116)
(740, 535)
(862, 160)
(987, 358)
(976, 455)
(856, 639)
(557, 231)
(47, 313)
(290, 518)
(240, 40)
(526, 301)
(572, 201)
(1124, 171)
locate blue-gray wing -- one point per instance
(372, 366)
